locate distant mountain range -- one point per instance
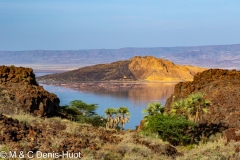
(146, 68)
(218, 56)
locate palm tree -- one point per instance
(193, 107)
(198, 106)
(110, 119)
(179, 107)
(153, 109)
(124, 116)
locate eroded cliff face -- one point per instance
(222, 88)
(19, 90)
(138, 68)
(156, 69)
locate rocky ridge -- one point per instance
(222, 88)
(146, 68)
(20, 91)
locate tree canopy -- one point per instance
(83, 108)
(153, 109)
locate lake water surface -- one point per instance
(135, 96)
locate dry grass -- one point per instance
(88, 158)
(217, 149)
(152, 139)
(73, 128)
(127, 149)
(26, 118)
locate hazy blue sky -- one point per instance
(110, 24)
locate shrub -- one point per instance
(96, 121)
(82, 112)
(170, 128)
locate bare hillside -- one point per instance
(138, 68)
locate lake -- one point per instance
(135, 96)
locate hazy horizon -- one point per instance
(116, 48)
(84, 25)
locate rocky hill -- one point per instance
(138, 68)
(222, 88)
(19, 91)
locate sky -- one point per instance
(113, 24)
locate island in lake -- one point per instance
(146, 68)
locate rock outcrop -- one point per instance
(19, 90)
(222, 88)
(151, 68)
(138, 68)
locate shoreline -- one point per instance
(120, 82)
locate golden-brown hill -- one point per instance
(146, 68)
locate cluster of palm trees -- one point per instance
(193, 107)
(117, 117)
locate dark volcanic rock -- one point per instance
(19, 90)
(222, 88)
(232, 134)
(17, 75)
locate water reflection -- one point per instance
(136, 97)
(151, 92)
(136, 92)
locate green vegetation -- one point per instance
(82, 112)
(117, 117)
(83, 108)
(110, 112)
(124, 116)
(153, 109)
(177, 127)
(170, 128)
(193, 107)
